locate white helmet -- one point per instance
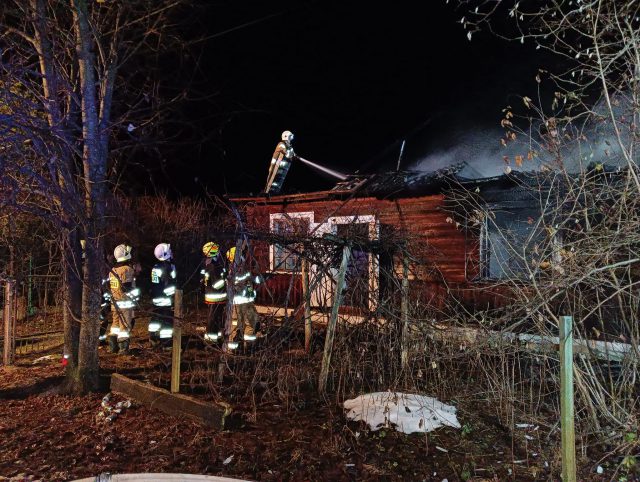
(163, 252)
(122, 252)
(287, 136)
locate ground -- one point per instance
(53, 437)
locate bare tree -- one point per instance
(578, 255)
(73, 69)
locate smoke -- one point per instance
(580, 146)
(482, 153)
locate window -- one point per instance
(509, 244)
(289, 228)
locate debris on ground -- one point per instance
(110, 412)
(43, 359)
(54, 437)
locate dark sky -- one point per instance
(350, 79)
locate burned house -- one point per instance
(399, 222)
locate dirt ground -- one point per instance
(51, 437)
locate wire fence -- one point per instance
(34, 310)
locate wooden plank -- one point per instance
(566, 400)
(531, 343)
(177, 405)
(177, 343)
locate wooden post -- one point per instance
(9, 351)
(177, 343)
(333, 321)
(404, 312)
(306, 295)
(566, 400)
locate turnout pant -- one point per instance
(247, 320)
(121, 322)
(215, 320)
(161, 322)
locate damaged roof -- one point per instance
(398, 183)
(515, 187)
(382, 185)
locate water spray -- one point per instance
(400, 156)
(331, 172)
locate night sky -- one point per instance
(351, 80)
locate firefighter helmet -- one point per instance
(287, 136)
(211, 249)
(163, 252)
(122, 252)
(231, 254)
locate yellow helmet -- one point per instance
(231, 254)
(211, 249)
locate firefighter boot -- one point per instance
(113, 343)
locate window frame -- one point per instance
(374, 261)
(486, 248)
(273, 219)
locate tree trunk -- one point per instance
(94, 167)
(72, 299)
(87, 376)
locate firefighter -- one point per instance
(124, 296)
(163, 289)
(214, 284)
(280, 163)
(244, 297)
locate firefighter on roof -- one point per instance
(163, 289)
(124, 296)
(244, 297)
(280, 163)
(214, 284)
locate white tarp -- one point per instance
(157, 477)
(406, 412)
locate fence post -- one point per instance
(404, 312)
(306, 295)
(30, 308)
(333, 321)
(9, 351)
(177, 343)
(566, 400)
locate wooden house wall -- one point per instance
(447, 254)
